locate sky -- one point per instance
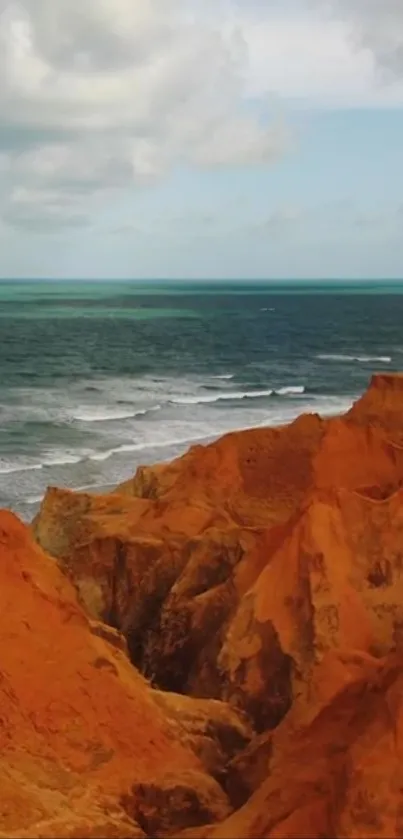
(201, 139)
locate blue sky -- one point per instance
(181, 139)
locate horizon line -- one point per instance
(317, 280)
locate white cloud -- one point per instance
(314, 61)
(379, 25)
(107, 93)
(42, 210)
(103, 95)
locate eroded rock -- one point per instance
(174, 562)
(176, 801)
(336, 774)
(212, 729)
(79, 726)
(265, 571)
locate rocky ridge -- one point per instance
(215, 648)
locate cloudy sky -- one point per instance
(201, 138)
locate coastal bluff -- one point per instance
(215, 648)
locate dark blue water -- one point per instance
(96, 378)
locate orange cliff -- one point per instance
(87, 747)
(205, 629)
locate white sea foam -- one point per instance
(161, 442)
(106, 452)
(11, 468)
(325, 405)
(291, 391)
(102, 414)
(101, 456)
(385, 359)
(363, 359)
(33, 499)
(228, 396)
(61, 458)
(128, 448)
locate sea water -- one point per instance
(97, 378)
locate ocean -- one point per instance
(97, 378)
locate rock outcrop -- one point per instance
(337, 772)
(82, 733)
(179, 557)
(381, 405)
(216, 647)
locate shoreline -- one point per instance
(106, 489)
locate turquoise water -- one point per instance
(33, 290)
(97, 377)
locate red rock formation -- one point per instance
(264, 570)
(381, 405)
(81, 733)
(175, 568)
(335, 582)
(337, 772)
(261, 476)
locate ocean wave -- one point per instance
(10, 469)
(110, 414)
(61, 458)
(58, 458)
(225, 376)
(330, 406)
(363, 359)
(293, 390)
(385, 359)
(228, 396)
(33, 499)
(172, 442)
(128, 448)
(99, 457)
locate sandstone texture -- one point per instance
(335, 773)
(216, 647)
(80, 729)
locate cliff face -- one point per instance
(335, 773)
(87, 748)
(185, 559)
(259, 577)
